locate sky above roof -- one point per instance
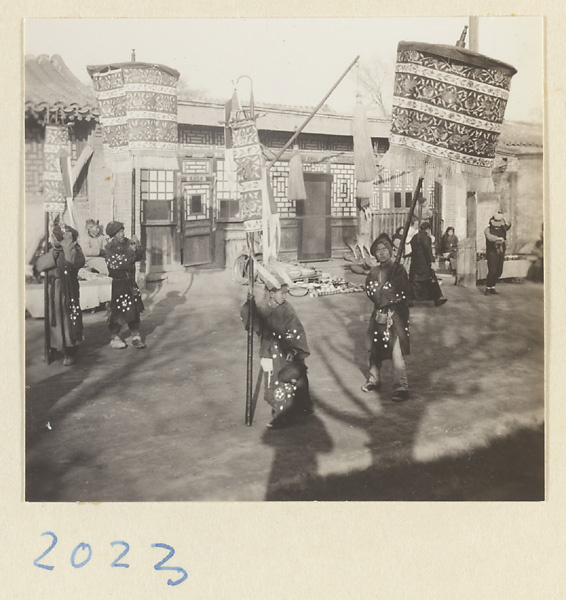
(291, 61)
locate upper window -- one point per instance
(157, 196)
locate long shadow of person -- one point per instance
(161, 310)
(295, 462)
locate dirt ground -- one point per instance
(167, 422)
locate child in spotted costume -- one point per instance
(61, 265)
(126, 306)
(283, 350)
(388, 333)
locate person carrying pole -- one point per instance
(283, 351)
(61, 264)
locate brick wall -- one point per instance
(100, 183)
(34, 135)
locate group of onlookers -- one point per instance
(113, 255)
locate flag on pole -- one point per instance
(364, 159)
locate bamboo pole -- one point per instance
(251, 301)
(46, 316)
(416, 194)
(313, 113)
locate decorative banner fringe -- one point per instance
(296, 186)
(477, 179)
(364, 160)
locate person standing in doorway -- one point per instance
(126, 305)
(388, 333)
(495, 245)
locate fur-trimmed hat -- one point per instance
(113, 228)
(384, 239)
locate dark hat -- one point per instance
(425, 225)
(382, 238)
(113, 228)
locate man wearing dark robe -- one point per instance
(423, 279)
(283, 350)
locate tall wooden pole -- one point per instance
(46, 315)
(313, 113)
(251, 302)
(467, 262)
(416, 195)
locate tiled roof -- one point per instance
(519, 137)
(278, 118)
(51, 86)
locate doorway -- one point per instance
(197, 224)
(315, 218)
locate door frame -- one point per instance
(199, 226)
(314, 177)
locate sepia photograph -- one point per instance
(284, 259)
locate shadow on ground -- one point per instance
(511, 468)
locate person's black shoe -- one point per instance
(371, 386)
(440, 301)
(400, 395)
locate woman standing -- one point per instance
(61, 265)
(388, 334)
(449, 247)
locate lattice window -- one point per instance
(157, 193)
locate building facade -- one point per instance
(180, 200)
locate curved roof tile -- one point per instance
(50, 85)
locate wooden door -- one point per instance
(314, 218)
(197, 223)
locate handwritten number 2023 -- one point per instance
(82, 554)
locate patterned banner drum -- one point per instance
(448, 108)
(56, 140)
(138, 106)
(251, 171)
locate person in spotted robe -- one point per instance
(126, 304)
(61, 265)
(388, 333)
(283, 350)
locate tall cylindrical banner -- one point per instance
(448, 109)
